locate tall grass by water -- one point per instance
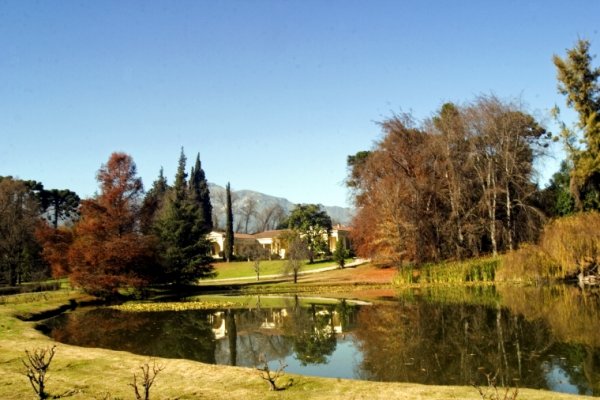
(479, 270)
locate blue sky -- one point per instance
(273, 94)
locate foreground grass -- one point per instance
(91, 373)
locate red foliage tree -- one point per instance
(55, 244)
(108, 251)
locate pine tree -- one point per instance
(153, 202)
(182, 232)
(199, 188)
(578, 81)
(229, 238)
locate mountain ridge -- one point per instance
(255, 211)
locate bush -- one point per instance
(573, 243)
(529, 264)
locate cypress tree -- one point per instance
(229, 238)
(182, 232)
(199, 189)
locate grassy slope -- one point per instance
(243, 269)
(90, 373)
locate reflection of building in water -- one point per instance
(217, 320)
(273, 321)
(271, 332)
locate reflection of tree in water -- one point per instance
(312, 333)
(247, 338)
(276, 333)
(183, 334)
(438, 344)
(574, 317)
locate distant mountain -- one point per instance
(255, 212)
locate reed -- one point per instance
(477, 270)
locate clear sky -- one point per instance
(273, 94)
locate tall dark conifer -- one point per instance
(199, 189)
(228, 245)
(182, 232)
(153, 202)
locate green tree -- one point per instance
(182, 231)
(355, 163)
(19, 214)
(153, 202)
(60, 203)
(556, 198)
(578, 81)
(229, 238)
(199, 192)
(340, 254)
(313, 225)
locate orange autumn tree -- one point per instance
(108, 251)
(55, 247)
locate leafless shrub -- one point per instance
(36, 366)
(148, 376)
(491, 392)
(271, 376)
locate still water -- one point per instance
(539, 338)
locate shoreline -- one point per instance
(92, 373)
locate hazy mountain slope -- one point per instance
(254, 211)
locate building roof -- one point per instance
(243, 236)
(269, 234)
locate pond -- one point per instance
(546, 338)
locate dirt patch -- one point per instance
(365, 273)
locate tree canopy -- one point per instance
(19, 215)
(578, 81)
(314, 226)
(182, 228)
(453, 187)
(108, 251)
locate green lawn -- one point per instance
(244, 269)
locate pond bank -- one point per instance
(91, 373)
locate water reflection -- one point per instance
(416, 339)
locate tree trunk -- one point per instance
(509, 218)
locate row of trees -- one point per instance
(126, 239)
(123, 237)
(462, 182)
(455, 186)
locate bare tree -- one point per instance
(271, 376)
(269, 217)
(297, 252)
(459, 184)
(36, 366)
(147, 380)
(247, 211)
